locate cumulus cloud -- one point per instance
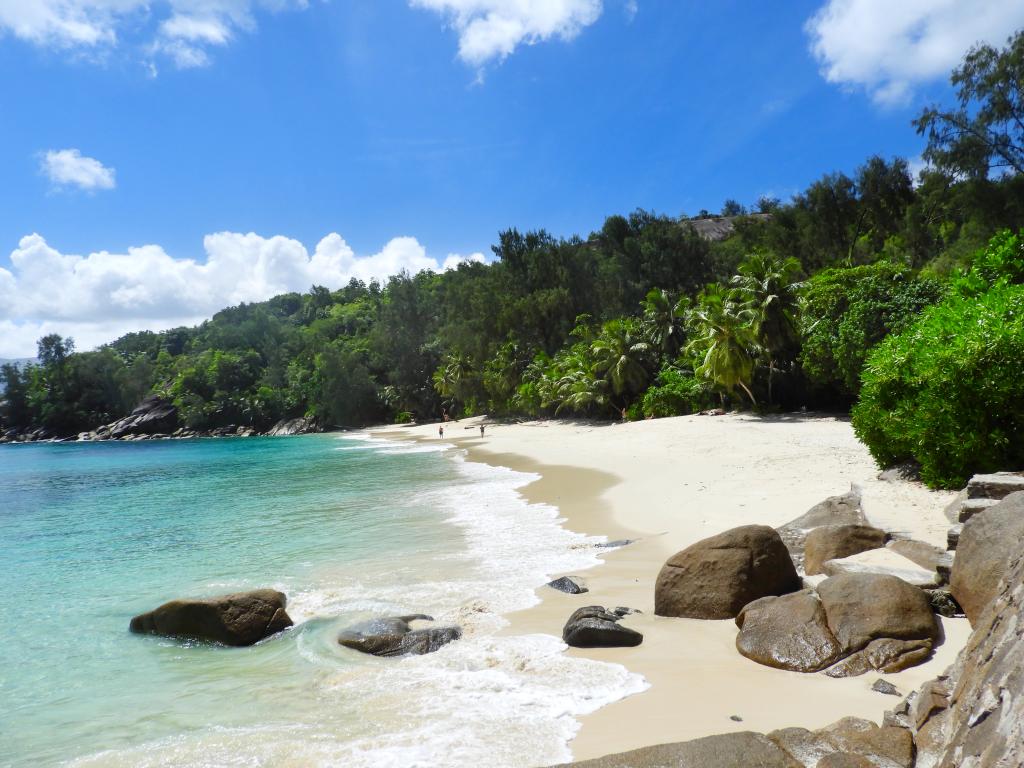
(100, 296)
(69, 168)
(889, 47)
(182, 30)
(492, 29)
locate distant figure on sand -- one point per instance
(481, 430)
(440, 431)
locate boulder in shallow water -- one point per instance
(595, 627)
(393, 636)
(238, 619)
(716, 577)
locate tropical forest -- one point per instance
(893, 293)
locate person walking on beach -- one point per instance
(440, 432)
(481, 430)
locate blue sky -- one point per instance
(415, 130)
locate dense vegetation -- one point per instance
(875, 285)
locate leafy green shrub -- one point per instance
(675, 393)
(403, 417)
(948, 392)
(1000, 263)
(845, 312)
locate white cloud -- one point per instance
(492, 29)
(454, 259)
(69, 168)
(889, 47)
(180, 29)
(98, 297)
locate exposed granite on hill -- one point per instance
(157, 418)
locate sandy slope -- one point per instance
(671, 482)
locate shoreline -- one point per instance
(638, 481)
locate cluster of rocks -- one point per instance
(848, 624)
(28, 435)
(851, 624)
(156, 418)
(245, 618)
(973, 715)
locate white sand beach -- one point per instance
(669, 483)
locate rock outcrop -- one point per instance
(974, 715)
(716, 577)
(393, 636)
(988, 541)
(238, 619)
(727, 750)
(299, 426)
(596, 627)
(852, 625)
(831, 542)
(152, 416)
(849, 742)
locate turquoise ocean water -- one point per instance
(348, 528)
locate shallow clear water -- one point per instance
(91, 534)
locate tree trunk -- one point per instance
(749, 394)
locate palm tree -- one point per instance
(663, 321)
(768, 285)
(452, 378)
(724, 338)
(619, 354)
(579, 391)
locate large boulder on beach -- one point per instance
(832, 542)
(596, 627)
(716, 577)
(865, 607)
(986, 544)
(788, 632)
(238, 619)
(394, 636)
(854, 624)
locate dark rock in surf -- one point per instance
(238, 619)
(393, 636)
(595, 627)
(569, 585)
